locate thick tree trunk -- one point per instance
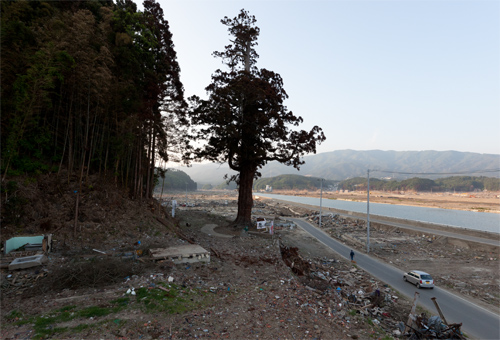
(245, 199)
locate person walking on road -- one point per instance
(352, 255)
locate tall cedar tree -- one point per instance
(244, 121)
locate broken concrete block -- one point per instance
(182, 254)
(27, 262)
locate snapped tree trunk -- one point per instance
(245, 199)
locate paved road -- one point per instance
(477, 322)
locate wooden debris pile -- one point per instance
(18, 282)
(292, 259)
(435, 327)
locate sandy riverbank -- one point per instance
(483, 201)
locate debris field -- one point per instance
(258, 286)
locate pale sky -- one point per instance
(404, 75)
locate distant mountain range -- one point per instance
(344, 164)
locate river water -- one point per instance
(457, 218)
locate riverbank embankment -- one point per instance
(410, 226)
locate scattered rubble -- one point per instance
(260, 286)
(469, 269)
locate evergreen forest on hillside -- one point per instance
(91, 87)
(177, 180)
(94, 87)
(448, 184)
(174, 180)
(292, 182)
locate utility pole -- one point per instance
(368, 212)
(320, 201)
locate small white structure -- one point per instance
(261, 223)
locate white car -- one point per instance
(419, 278)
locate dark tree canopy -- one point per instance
(88, 86)
(244, 121)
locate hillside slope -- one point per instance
(343, 164)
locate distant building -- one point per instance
(269, 188)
